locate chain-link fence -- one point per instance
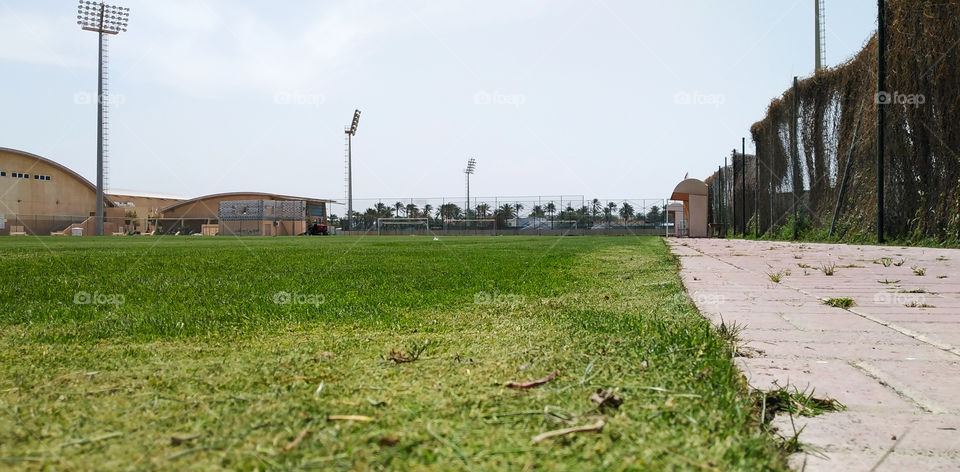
(566, 214)
(59, 225)
(48, 225)
(816, 165)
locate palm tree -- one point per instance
(482, 210)
(610, 211)
(516, 208)
(626, 212)
(537, 211)
(594, 209)
(504, 213)
(412, 210)
(654, 214)
(399, 207)
(369, 216)
(550, 209)
(427, 209)
(450, 211)
(383, 211)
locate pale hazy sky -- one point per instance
(615, 99)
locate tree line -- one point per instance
(506, 215)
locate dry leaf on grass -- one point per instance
(534, 383)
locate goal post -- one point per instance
(469, 223)
(398, 224)
(563, 224)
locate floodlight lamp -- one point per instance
(353, 125)
(102, 18)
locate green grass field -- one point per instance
(185, 353)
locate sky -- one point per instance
(603, 98)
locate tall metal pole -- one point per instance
(743, 186)
(733, 192)
(723, 200)
(881, 109)
(771, 160)
(718, 215)
(350, 132)
(795, 152)
(350, 182)
(99, 225)
(103, 19)
(817, 38)
(756, 193)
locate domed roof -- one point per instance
(688, 187)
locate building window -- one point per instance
(36, 177)
(26, 176)
(48, 177)
(3, 174)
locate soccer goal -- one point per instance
(396, 225)
(461, 224)
(562, 224)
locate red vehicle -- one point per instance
(317, 229)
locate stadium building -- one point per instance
(41, 197)
(243, 214)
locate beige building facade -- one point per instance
(192, 215)
(41, 197)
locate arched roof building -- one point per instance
(38, 195)
(693, 221)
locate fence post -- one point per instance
(771, 177)
(743, 186)
(846, 170)
(795, 151)
(756, 192)
(733, 191)
(881, 110)
(723, 199)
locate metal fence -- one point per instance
(533, 215)
(530, 215)
(47, 225)
(818, 165)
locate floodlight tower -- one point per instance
(350, 132)
(102, 19)
(471, 168)
(821, 50)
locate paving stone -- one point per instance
(896, 367)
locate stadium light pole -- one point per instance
(881, 100)
(471, 168)
(818, 36)
(351, 132)
(102, 19)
